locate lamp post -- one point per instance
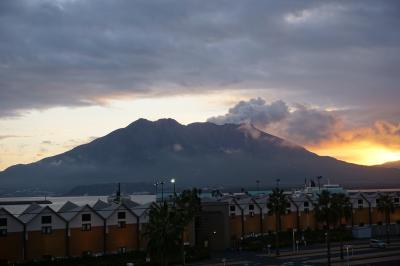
(162, 190)
(319, 183)
(173, 183)
(328, 241)
(258, 185)
(277, 182)
(294, 242)
(156, 188)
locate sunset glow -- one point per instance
(289, 69)
(363, 152)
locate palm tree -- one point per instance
(324, 213)
(167, 223)
(342, 207)
(189, 206)
(385, 205)
(162, 232)
(277, 205)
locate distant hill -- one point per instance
(198, 154)
(394, 164)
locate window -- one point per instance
(396, 200)
(86, 227)
(232, 215)
(121, 215)
(305, 204)
(122, 250)
(121, 224)
(87, 253)
(232, 208)
(3, 232)
(46, 219)
(251, 207)
(361, 224)
(46, 230)
(3, 221)
(360, 203)
(87, 217)
(379, 223)
(288, 208)
(251, 214)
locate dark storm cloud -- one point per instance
(69, 53)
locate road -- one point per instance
(359, 254)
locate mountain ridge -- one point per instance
(195, 154)
(392, 164)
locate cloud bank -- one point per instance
(325, 131)
(302, 124)
(74, 53)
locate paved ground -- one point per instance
(361, 254)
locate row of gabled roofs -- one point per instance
(305, 198)
(69, 210)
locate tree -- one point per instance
(277, 205)
(167, 222)
(188, 205)
(385, 205)
(162, 232)
(323, 213)
(341, 206)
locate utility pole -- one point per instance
(258, 185)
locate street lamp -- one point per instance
(156, 188)
(327, 234)
(258, 185)
(277, 182)
(173, 182)
(294, 242)
(319, 183)
(162, 190)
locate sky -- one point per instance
(322, 74)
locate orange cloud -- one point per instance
(377, 144)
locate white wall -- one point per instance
(113, 219)
(76, 222)
(13, 225)
(36, 223)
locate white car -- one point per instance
(375, 243)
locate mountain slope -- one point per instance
(196, 154)
(394, 164)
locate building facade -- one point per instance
(41, 231)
